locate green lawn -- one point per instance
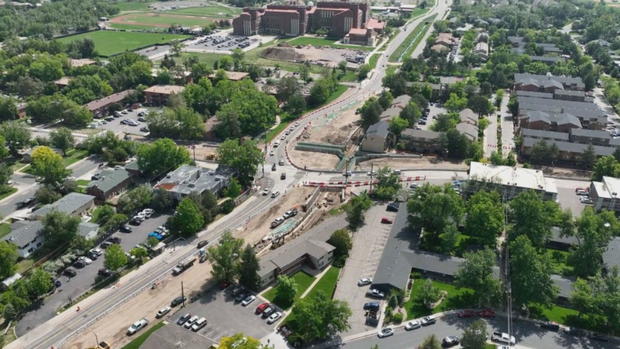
(136, 343)
(306, 40)
(303, 281)
(559, 262)
(327, 283)
(24, 265)
(274, 132)
(5, 228)
(457, 298)
(8, 193)
(109, 43)
(207, 58)
(556, 313)
(349, 76)
(132, 5)
(372, 62)
(411, 42)
(216, 11)
(74, 156)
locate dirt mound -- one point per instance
(283, 54)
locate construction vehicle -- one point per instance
(183, 265)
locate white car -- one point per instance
(274, 317)
(373, 292)
(86, 260)
(265, 192)
(503, 337)
(202, 322)
(275, 194)
(161, 312)
(412, 325)
(364, 281)
(248, 300)
(190, 322)
(385, 332)
(137, 326)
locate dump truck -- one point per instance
(183, 265)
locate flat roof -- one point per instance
(165, 89)
(511, 176)
(67, 204)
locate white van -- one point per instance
(202, 322)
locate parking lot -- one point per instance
(224, 317)
(363, 261)
(434, 110)
(221, 42)
(115, 123)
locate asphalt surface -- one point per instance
(527, 334)
(72, 288)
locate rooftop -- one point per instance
(511, 176)
(76, 63)
(68, 204)
(548, 80)
(582, 132)
(189, 179)
(23, 232)
(165, 89)
(380, 129)
(583, 110)
(528, 132)
(552, 118)
(570, 147)
(110, 178)
(358, 31)
(106, 101)
(423, 134)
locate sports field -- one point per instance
(109, 43)
(162, 20)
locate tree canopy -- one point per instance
(161, 156)
(318, 317)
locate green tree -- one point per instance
(370, 112)
(135, 199)
(295, 105)
(456, 144)
(476, 273)
(187, 220)
(485, 217)
(430, 342)
(239, 341)
(355, 210)
(102, 214)
(48, 166)
(5, 176)
(115, 222)
(161, 156)
(242, 156)
(480, 104)
(47, 194)
(16, 135)
(286, 290)
(385, 99)
(341, 240)
(318, 317)
(8, 109)
(39, 283)
(397, 125)
(605, 166)
(475, 335)
(115, 257)
(533, 217)
(455, 103)
(234, 189)
(588, 158)
(4, 150)
(248, 269)
(225, 258)
(499, 95)
(435, 207)
(597, 297)
(8, 258)
(388, 184)
(363, 71)
(429, 293)
(59, 228)
(593, 231)
(530, 274)
(411, 112)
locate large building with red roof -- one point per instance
(337, 17)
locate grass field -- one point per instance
(215, 11)
(8, 193)
(5, 228)
(206, 58)
(163, 20)
(303, 281)
(411, 42)
(305, 40)
(109, 43)
(457, 298)
(372, 62)
(327, 283)
(132, 5)
(137, 27)
(137, 343)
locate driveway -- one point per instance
(490, 136)
(368, 244)
(224, 318)
(527, 334)
(85, 278)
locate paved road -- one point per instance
(528, 335)
(490, 136)
(508, 127)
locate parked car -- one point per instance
(202, 244)
(371, 306)
(466, 313)
(428, 320)
(550, 325)
(114, 240)
(202, 322)
(183, 319)
(364, 281)
(178, 300)
(373, 292)
(275, 194)
(412, 325)
(261, 307)
(503, 337)
(449, 341)
(161, 312)
(574, 331)
(69, 272)
(125, 228)
(274, 317)
(487, 313)
(248, 300)
(265, 191)
(104, 272)
(276, 222)
(270, 310)
(386, 220)
(137, 326)
(79, 264)
(393, 206)
(385, 332)
(190, 322)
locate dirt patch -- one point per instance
(334, 128)
(283, 53)
(203, 152)
(424, 162)
(259, 227)
(325, 56)
(131, 19)
(313, 160)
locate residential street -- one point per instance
(490, 136)
(508, 128)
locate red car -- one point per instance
(261, 307)
(486, 313)
(466, 313)
(386, 220)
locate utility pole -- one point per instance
(96, 340)
(507, 282)
(371, 175)
(182, 295)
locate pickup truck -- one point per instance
(183, 265)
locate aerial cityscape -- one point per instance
(240, 174)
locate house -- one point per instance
(26, 236)
(567, 150)
(421, 141)
(482, 50)
(606, 194)
(159, 94)
(510, 181)
(188, 179)
(549, 121)
(376, 137)
(72, 204)
(100, 107)
(440, 48)
(544, 135)
(76, 63)
(6, 283)
(468, 130)
(446, 39)
(585, 136)
(546, 83)
(360, 36)
(375, 25)
(558, 242)
(611, 256)
(401, 101)
(308, 250)
(590, 115)
(468, 116)
(63, 82)
(112, 181)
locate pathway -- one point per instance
(508, 129)
(490, 135)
